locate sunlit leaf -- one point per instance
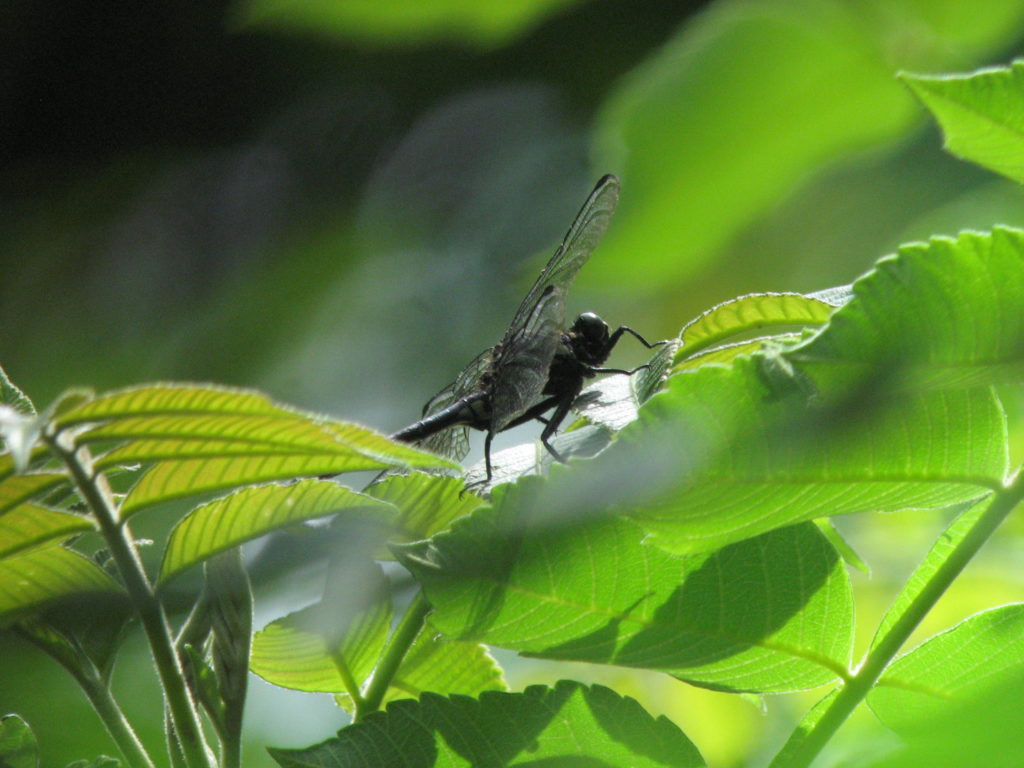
(770, 614)
(253, 512)
(982, 652)
(31, 525)
(325, 647)
(570, 724)
(941, 313)
(40, 576)
(174, 421)
(981, 114)
(748, 314)
(732, 113)
(436, 665)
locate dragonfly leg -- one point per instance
(564, 404)
(487, 455)
(621, 370)
(534, 413)
(614, 338)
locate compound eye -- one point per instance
(590, 325)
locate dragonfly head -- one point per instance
(589, 339)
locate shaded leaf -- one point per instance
(15, 489)
(720, 456)
(405, 21)
(31, 525)
(770, 614)
(426, 504)
(30, 581)
(568, 724)
(18, 746)
(253, 512)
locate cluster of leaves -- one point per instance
(690, 542)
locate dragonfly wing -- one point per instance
(584, 234)
(453, 442)
(524, 358)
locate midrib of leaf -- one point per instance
(640, 624)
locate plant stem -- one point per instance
(97, 690)
(113, 718)
(408, 628)
(96, 493)
(800, 755)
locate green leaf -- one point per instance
(735, 111)
(770, 614)
(180, 421)
(726, 353)
(16, 489)
(941, 313)
(721, 456)
(332, 645)
(570, 724)
(614, 401)
(922, 576)
(807, 725)
(32, 580)
(437, 665)
(747, 314)
(18, 747)
(11, 395)
(253, 512)
(426, 504)
(983, 729)
(31, 525)
(981, 114)
(403, 21)
(19, 434)
(980, 653)
(103, 761)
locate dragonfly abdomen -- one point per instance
(473, 410)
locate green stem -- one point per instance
(350, 683)
(803, 748)
(97, 690)
(96, 493)
(117, 724)
(410, 626)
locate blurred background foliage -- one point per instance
(341, 201)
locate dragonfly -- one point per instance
(538, 366)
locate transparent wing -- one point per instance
(454, 441)
(583, 236)
(523, 359)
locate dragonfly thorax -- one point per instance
(588, 339)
